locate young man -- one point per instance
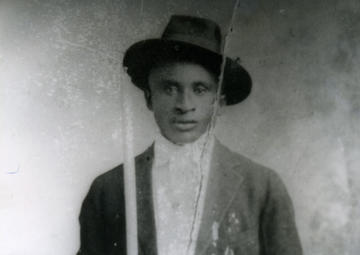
(194, 196)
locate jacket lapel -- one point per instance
(222, 186)
(145, 208)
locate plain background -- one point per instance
(63, 92)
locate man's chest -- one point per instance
(176, 191)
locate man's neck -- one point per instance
(202, 147)
(201, 141)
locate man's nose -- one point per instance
(184, 103)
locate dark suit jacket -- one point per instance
(248, 202)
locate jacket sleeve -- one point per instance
(278, 228)
(92, 226)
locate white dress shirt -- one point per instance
(179, 182)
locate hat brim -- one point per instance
(143, 55)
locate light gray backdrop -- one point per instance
(62, 91)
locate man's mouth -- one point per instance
(185, 125)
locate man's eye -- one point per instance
(168, 89)
(199, 90)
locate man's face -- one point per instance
(182, 97)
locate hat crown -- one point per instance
(201, 32)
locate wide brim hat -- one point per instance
(189, 39)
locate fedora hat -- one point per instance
(189, 39)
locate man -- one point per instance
(194, 196)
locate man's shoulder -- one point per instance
(239, 162)
(109, 178)
(244, 167)
(116, 173)
(261, 183)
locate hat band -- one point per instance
(195, 40)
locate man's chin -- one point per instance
(183, 137)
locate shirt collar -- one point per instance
(196, 151)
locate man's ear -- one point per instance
(147, 95)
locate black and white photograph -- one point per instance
(170, 127)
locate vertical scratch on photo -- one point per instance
(213, 117)
(141, 7)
